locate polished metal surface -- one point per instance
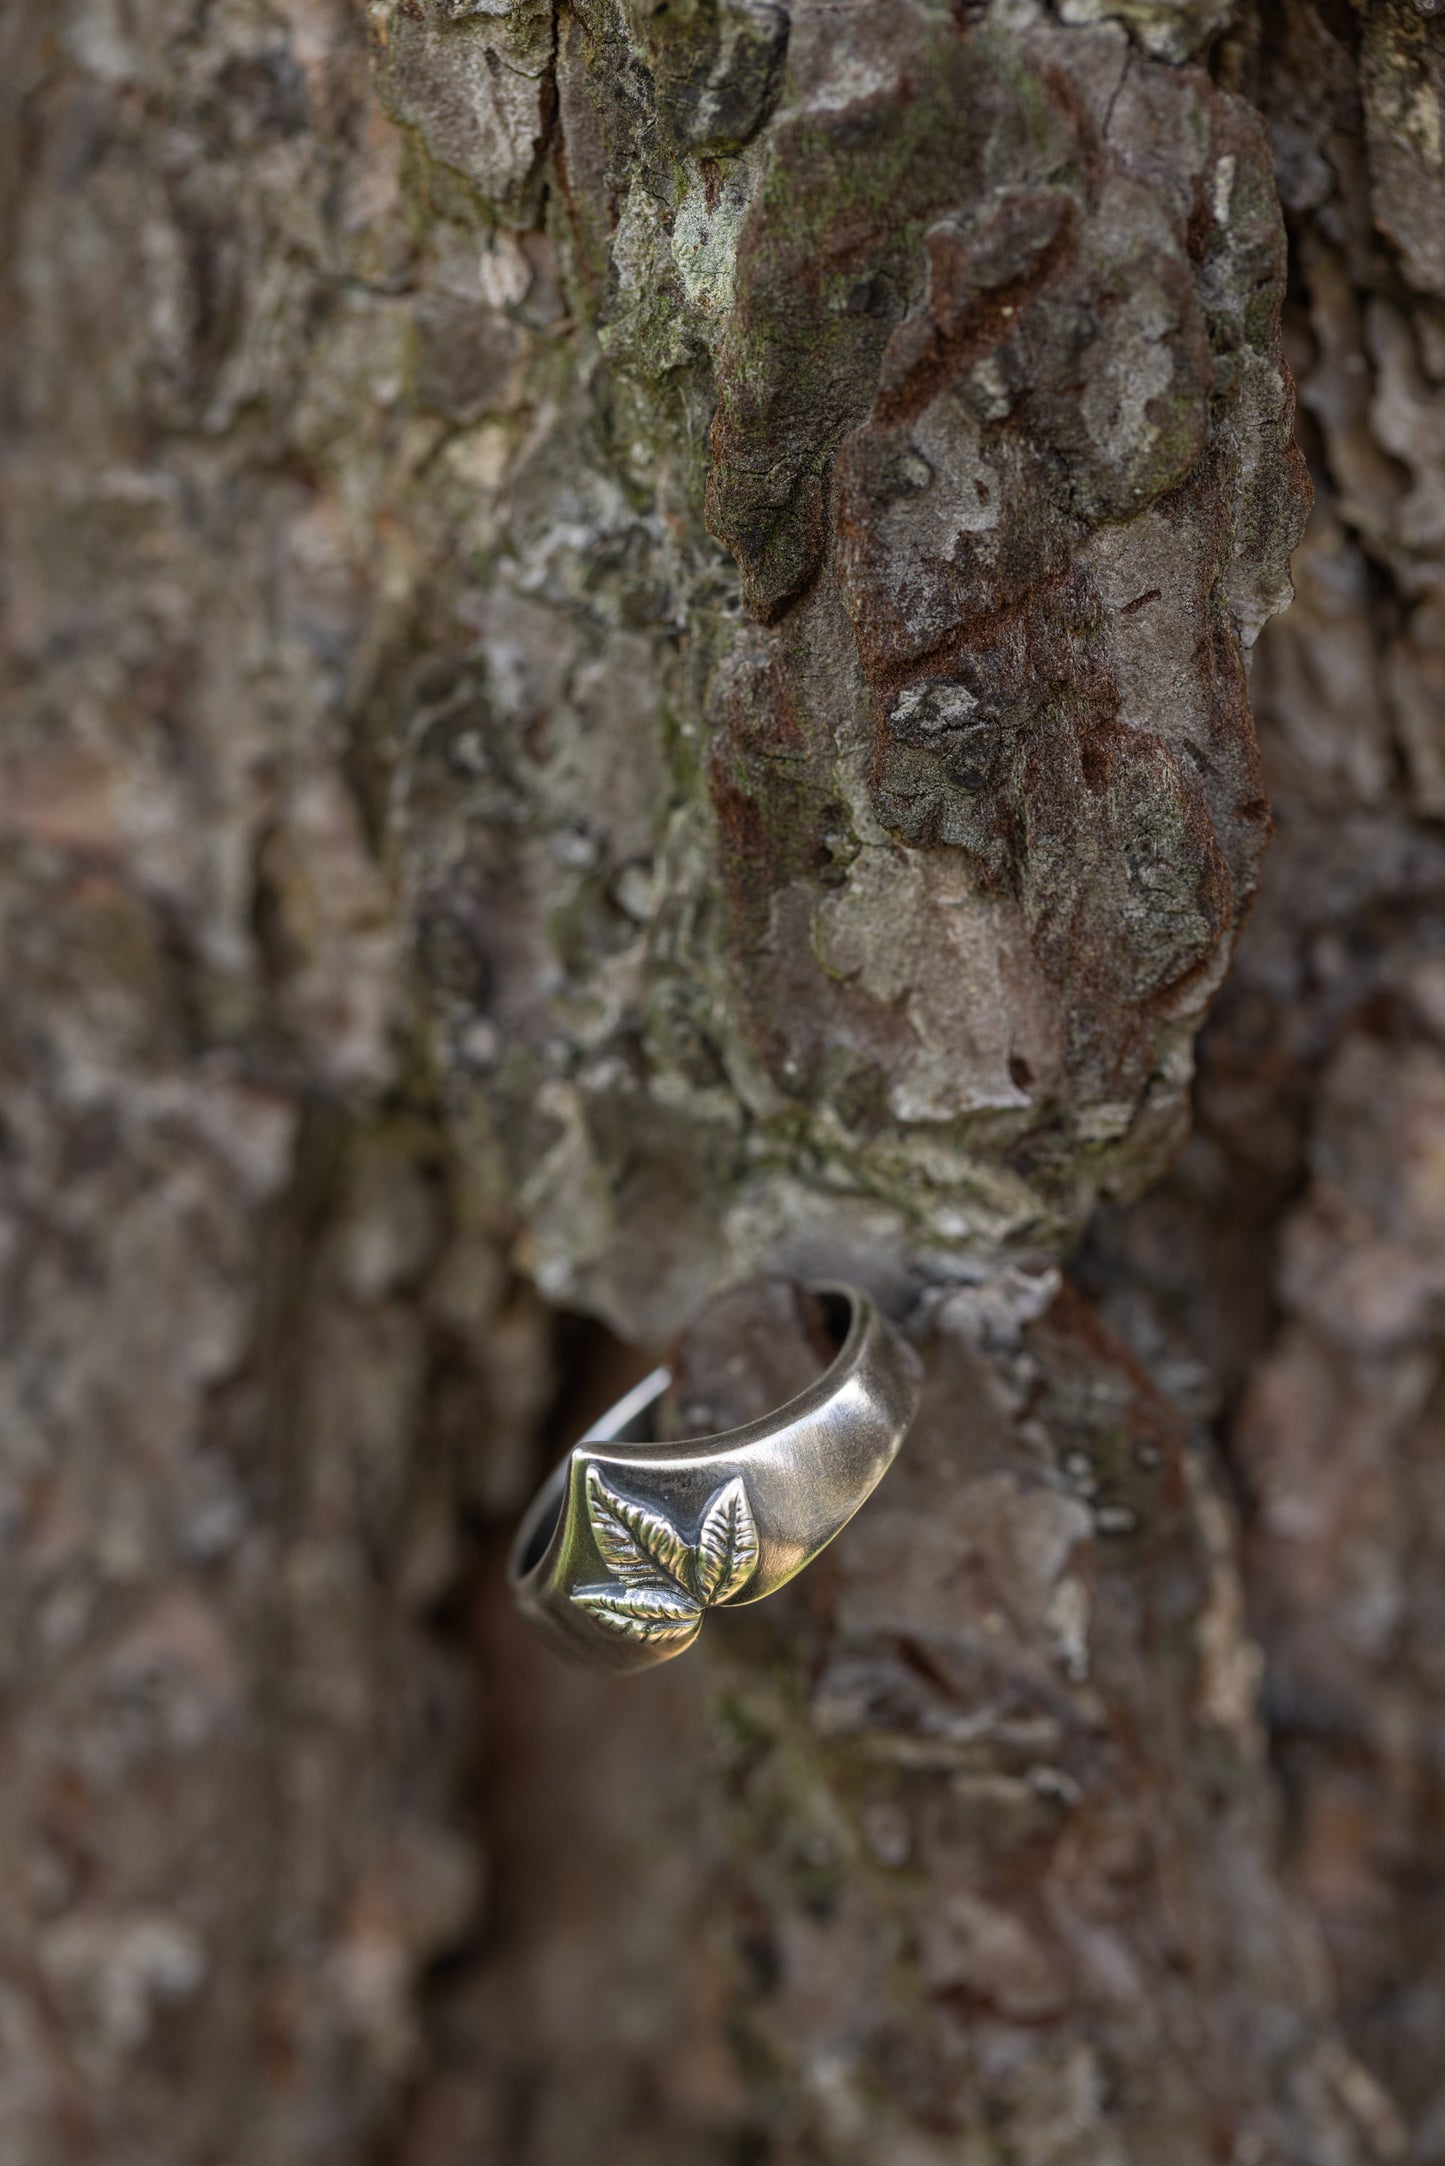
(630, 1542)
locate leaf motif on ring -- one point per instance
(663, 1582)
(637, 1545)
(653, 1612)
(727, 1545)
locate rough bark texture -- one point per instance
(626, 635)
(1287, 1280)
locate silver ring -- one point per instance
(630, 1542)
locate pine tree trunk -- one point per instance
(627, 632)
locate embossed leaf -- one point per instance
(656, 1612)
(727, 1545)
(641, 1547)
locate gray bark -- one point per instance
(626, 639)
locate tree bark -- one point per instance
(627, 631)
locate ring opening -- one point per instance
(546, 1513)
(633, 1421)
(837, 1315)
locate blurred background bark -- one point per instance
(625, 638)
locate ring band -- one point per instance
(630, 1541)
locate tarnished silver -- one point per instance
(630, 1542)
